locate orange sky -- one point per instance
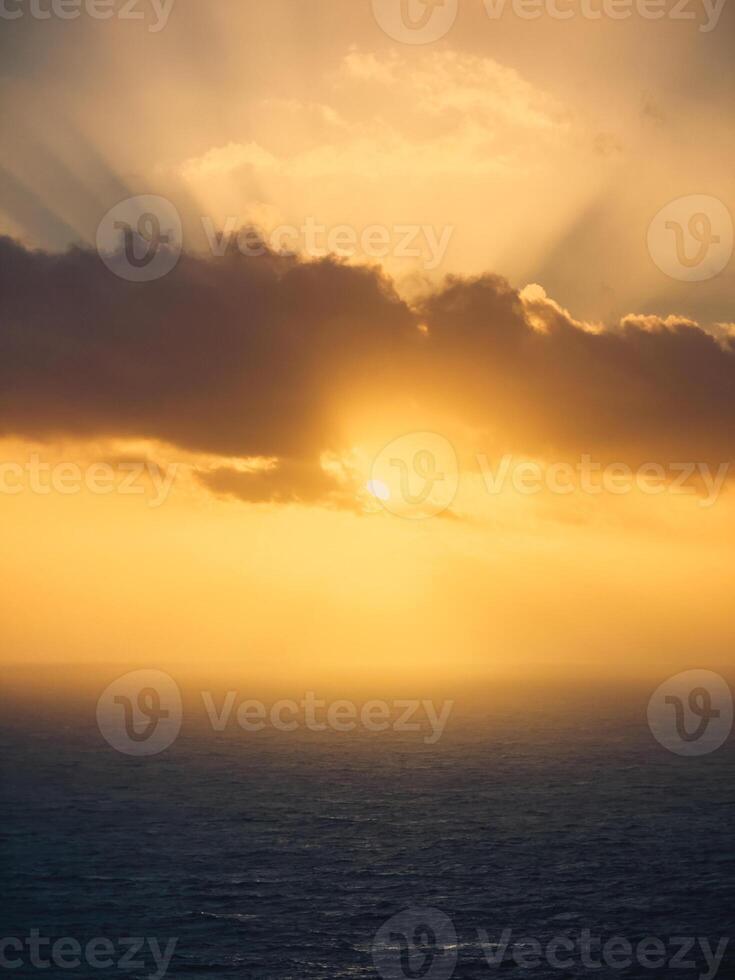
(282, 551)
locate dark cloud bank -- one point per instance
(257, 356)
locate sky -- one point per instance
(430, 383)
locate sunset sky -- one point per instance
(540, 321)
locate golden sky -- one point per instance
(276, 416)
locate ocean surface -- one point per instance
(282, 855)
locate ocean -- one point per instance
(325, 856)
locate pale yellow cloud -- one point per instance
(450, 114)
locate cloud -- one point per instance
(285, 481)
(229, 356)
(648, 388)
(469, 116)
(261, 357)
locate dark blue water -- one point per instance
(280, 856)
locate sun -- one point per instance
(378, 489)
